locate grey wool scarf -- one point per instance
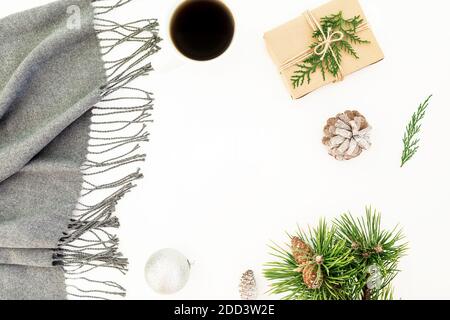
(71, 123)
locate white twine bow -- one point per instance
(331, 37)
(321, 49)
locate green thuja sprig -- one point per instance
(330, 63)
(347, 249)
(410, 139)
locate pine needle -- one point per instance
(411, 140)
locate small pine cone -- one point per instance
(379, 249)
(301, 251)
(247, 286)
(347, 135)
(312, 276)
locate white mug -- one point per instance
(171, 56)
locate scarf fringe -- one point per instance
(90, 243)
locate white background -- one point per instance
(234, 162)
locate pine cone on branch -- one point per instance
(301, 251)
(347, 135)
(312, 276)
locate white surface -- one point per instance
(234, 163)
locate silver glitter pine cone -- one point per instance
(247, 286)
(375, 279)
(347, 135)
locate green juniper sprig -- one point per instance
(341, 255)
(335, 22)
(410, 140)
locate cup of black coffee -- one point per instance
(201, 30)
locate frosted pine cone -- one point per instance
(347, 135)
(247, 287)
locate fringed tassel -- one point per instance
(119, 126)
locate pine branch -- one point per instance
(410, 139)
(367, 293)
(385, 294)
(346, 248)
(337, 276)
(371, 245)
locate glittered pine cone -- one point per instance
(247, 286)
(301, 251)
(347, 135)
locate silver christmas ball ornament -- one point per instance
(167, 271)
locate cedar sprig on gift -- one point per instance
(353, 259)
(331, 60)
(347, 26)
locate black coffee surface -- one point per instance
(202, 29)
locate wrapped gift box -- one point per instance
(290, 43)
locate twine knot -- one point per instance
(332, 37)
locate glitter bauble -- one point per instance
(167, 271)
(375, 280)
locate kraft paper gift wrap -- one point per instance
(291, 39)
